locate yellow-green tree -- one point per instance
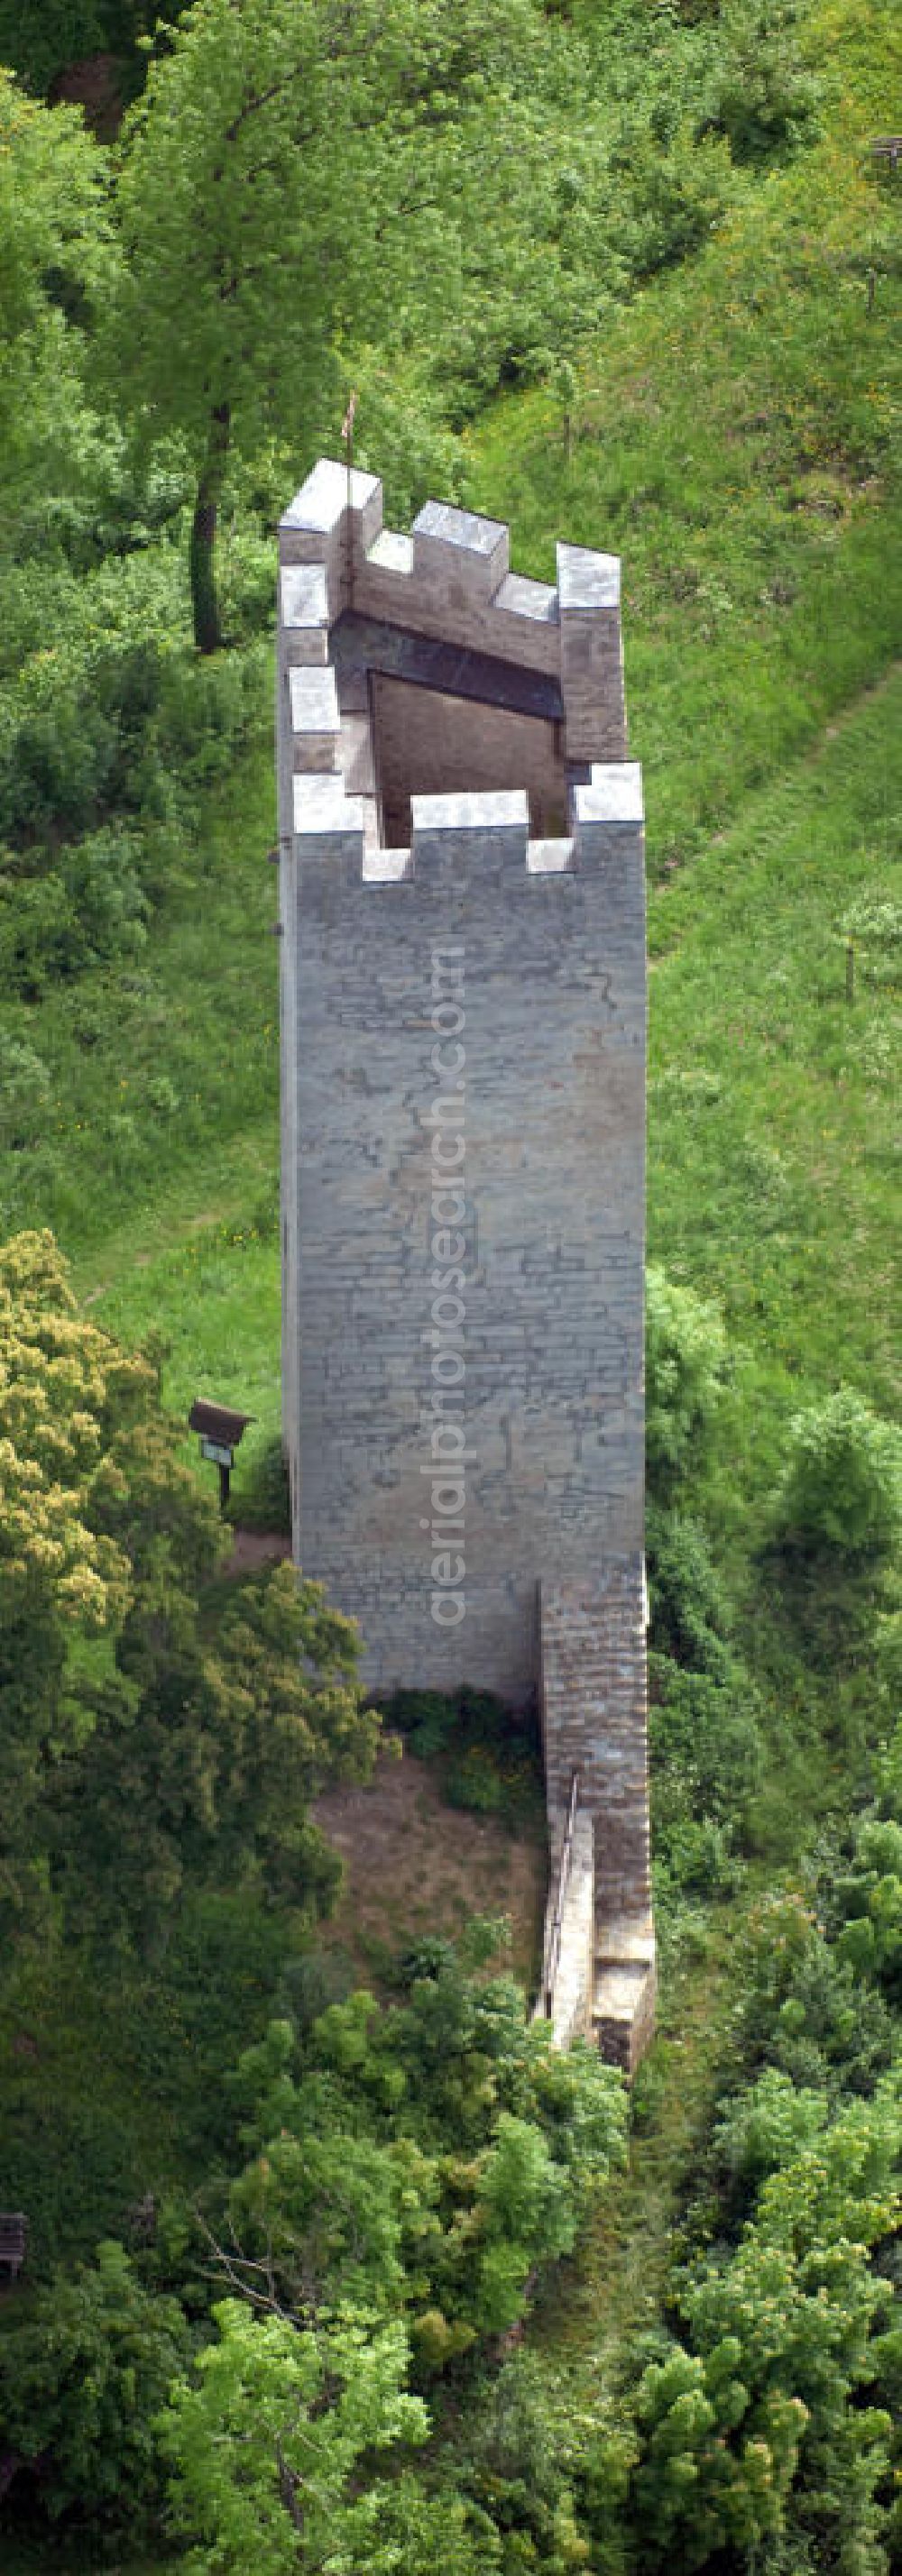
(63, 1385)
(146, 1748)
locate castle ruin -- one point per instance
(463, 1103)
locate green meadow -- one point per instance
(731, 429)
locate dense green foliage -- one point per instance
(83, 2379)
(343, 2275)
(490, 1755)
(165, 1758)
(465, 2144)
(840, 1495)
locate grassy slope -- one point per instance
(736, 440)
(172, 1225)
(773, 1162)
(736, 444)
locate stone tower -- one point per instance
(463, 1061)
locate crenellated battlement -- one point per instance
(450, 579)
(607, 812)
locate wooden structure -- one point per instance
(220, 1431)
(13, 2241)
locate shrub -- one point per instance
(840, 1495)
(523, 2451)
(435, 1722)
(36, 927)
(889, 1760)
(696, 1856)
(476, 1783)
(205, 709)
(58, 766)
(407, 440)
(760, 97)
(69, 2164)
(804, 2009)
(685, 1365)
(874, 925)
(763, 2130)
(671, 200)
(427, 1719)
(24, 1093)
(86, 909)
(261, 1497)
(689, 1609)
(102, 882)
(162, 1096)
(871, 1940)
(75, 716)
(704, 1739)
(81, 2382)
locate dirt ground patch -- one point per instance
(414, 1865)
(253, 1548)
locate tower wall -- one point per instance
(470, 1007)
(546, 971)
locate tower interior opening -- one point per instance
(429, 742)
(420, 717)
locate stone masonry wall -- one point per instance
(594, 1724)
(552, 1266)
(463, 1052)
(541, 946)
(594, 1718)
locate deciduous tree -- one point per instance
(288, 181)
(55, 263)
(266, 2442)
(62, 1384)
(141, 1750)
(82, 2377)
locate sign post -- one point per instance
(220, 1432)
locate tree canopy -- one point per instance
(288, 184)
(143, 1753)
(55, 259)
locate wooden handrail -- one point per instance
(552, 1953)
